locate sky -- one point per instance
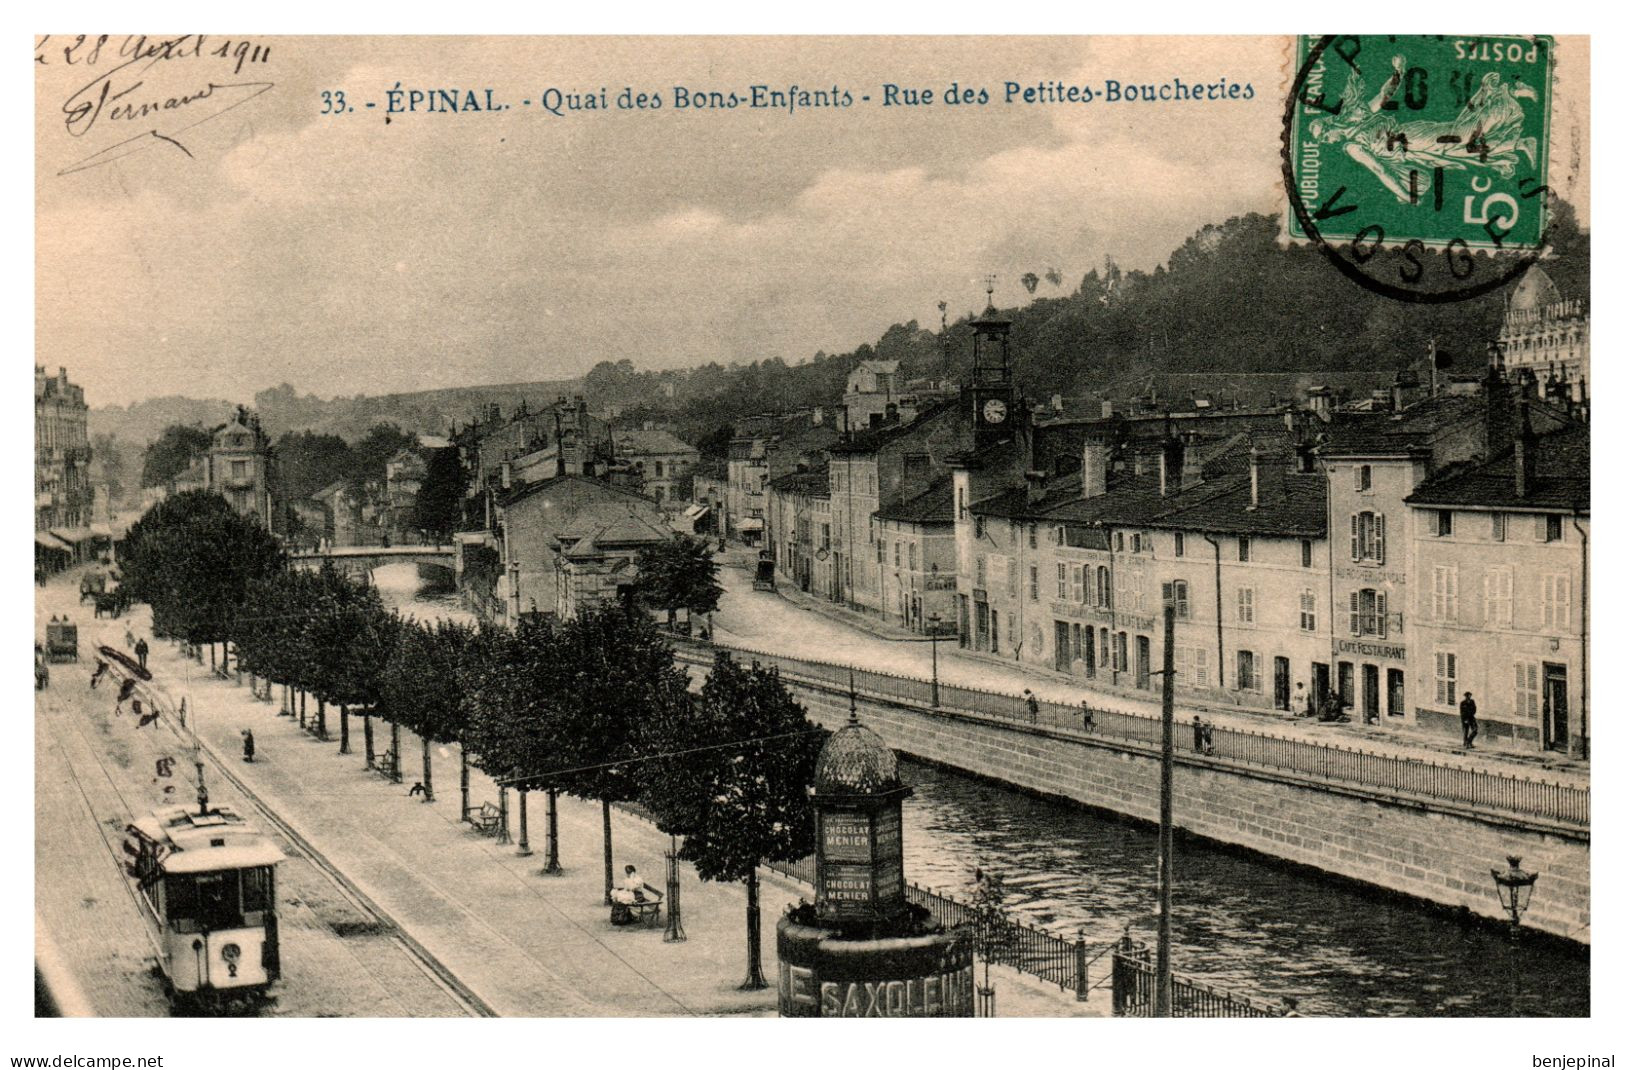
(345, 255)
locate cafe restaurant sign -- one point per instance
(1391, 651)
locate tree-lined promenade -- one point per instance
(594, 707)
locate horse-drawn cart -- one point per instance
(61, 641)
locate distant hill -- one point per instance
(283, 409)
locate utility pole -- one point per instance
(1165, 827)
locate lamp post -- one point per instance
(674, 902)
(935, 620)
(1516, 888)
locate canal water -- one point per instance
(1243, 923)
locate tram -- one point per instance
(207, 879)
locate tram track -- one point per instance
(83, 761)
(426, 959)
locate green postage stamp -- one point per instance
(1441, 141)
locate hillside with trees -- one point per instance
(1230, 299)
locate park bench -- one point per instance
(487, 819)
(642, 911)
(385, 765)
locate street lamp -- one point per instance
(935, 620)
(1516, 888)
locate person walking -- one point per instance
(1207, 737)
(1032, 706)
(1469, 720)
(1196, 734)
(1300, 701)
(141, 649)
(248, 745)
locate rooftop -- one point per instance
(933, 505)
(1562, 478)
(638, 441)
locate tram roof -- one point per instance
(201, 843)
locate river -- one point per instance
(1248, 924)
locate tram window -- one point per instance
(180, 897)
(256, 889)
(218, 903)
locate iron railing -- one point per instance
(1385, 775)
(999, 938)
(1134, 988)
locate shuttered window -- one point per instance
(1444, 678)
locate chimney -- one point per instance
(1523, 453)
(507, 475)
(1252, 464)
(1036, 486)
(1191, 464)
(1057, 403)
(1093, 484)
(891, 413)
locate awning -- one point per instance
(750, 523)
(72, 535)
(694, 512)
(51, 542)
(101, 531)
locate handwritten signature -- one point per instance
(120, 95)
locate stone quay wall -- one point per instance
(1440, 854)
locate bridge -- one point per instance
(361, 560)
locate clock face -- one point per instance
(993, 411)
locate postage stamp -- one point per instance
(1395, 145)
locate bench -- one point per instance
(384, 765)
(487, 820)
(632, 913)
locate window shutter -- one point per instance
(1382, 615)
(1354, 536)
(1377, 551)
(1354, 612)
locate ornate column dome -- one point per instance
(856, 761)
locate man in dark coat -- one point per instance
(1469, 720)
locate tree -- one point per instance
(172, 453)
(421, 689)
(307, 462)
(610, 674)
(731, 778)
(508, 682)
(372, 452)
(348, 639)
(439, 506)
(193, 557)
(679, 574)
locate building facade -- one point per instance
(61, 452)
(539, 525)
(664, 462)
(1547, 337)
(238, 465)
(1501, 553)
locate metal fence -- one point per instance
(1134, 989)
(999, 938)
(1382, 774)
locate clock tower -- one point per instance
(991, 392)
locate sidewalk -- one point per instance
(529, 945)
(770, 624)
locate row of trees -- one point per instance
(595, 707)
